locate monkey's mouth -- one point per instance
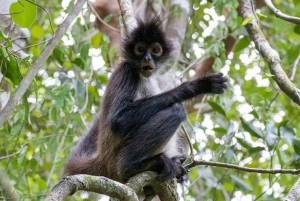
(147, 68)
(147, 71)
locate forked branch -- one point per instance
(267, 52)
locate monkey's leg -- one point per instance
(144, 150)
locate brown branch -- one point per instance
(102, 185)
(281, 15)
(245, 169)
(268, 53)
(27, 80)
(166, 191)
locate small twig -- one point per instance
(281, 15)
(245, 169)
(100, 19)
(50, 20)
(189, 140)
(293, 72)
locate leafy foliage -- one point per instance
(247, 126)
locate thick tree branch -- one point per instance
(281, 15)
(97, 184)
(245, 169)
(128, 18)
(294, 194)
(176, 26)
(166, 191)
(27, 80)
(268, 53)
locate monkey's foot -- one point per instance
(172, 168)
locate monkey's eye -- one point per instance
(157, 49)
(139, 49)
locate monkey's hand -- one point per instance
(214, 83)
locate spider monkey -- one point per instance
(137, 127)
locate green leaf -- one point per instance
(61, 94)
(23, 13)
(297, 29)
(59, 55)
(96, 40)
(79, 62)
(260, 15)
(10, 67)
(107, 18)
(84, 51)
(247, 20)
(255, 150)
(240, 183)
(251, 129)
(220, 130)
(271, 137)
(37, 31)
(242, 44)
(296, 145)
(244, 143)
(216, 107)
(287, 133)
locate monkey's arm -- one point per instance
(127, 116)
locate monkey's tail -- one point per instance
(81, 160)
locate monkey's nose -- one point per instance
(147, 57)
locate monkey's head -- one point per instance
(147, 47)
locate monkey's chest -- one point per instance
(148, 87)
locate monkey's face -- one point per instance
(149, 55)
(146, 48)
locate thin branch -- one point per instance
(100, 19)
(292, 77)
(281, 15)
(189, 140)
(27, 80)
(98, 184)
(268, 53)
(245, 169)
(295, 65)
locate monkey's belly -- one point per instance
(171, 148)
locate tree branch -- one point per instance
(128, 18)
(294, 193)
(166, 191)
(281, 15)
(268, 53)
(245, 169)
(98, 184)
(27, 80)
